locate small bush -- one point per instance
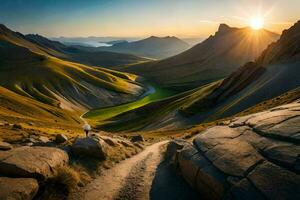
(68, 177)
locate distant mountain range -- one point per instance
(212, 59)
(91, 41)
(152, 47)
(84, 55)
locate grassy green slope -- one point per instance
(157, 114)
(102, 114)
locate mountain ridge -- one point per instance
(213, 59)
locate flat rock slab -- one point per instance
(251, 157)
(18, 188)
(32, 162)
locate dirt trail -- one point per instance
(140, 177)
(131, 179)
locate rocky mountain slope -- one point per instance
(152, 47)
(272, 74)
(212, 59)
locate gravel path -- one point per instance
(138, 178)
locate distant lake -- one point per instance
(94, 44)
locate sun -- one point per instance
(257, 23)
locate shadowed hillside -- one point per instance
(214, 58)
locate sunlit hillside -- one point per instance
(212, 59)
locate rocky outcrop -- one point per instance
(18, 188)
(32, 162)
(90, 146)
(5, 146)
(251, 157)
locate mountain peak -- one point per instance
(223, 28)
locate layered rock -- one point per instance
(33, 162)
(251, 157)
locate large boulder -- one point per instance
(32, 162)
(18, 188)
(252, 157)
(90, 146)
(5, 146)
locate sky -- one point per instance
(142, 18)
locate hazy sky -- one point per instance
(140, 18)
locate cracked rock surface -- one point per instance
(251, 157)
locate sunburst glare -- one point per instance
(257, 23)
